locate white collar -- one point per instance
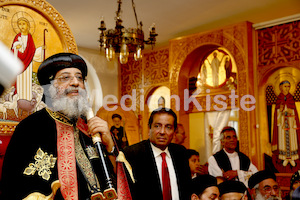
(231, 155)
(158, 151)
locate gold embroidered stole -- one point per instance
(84, 163)
(69, 148)
(66, 163)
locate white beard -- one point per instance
(72, 107)
(259, 196)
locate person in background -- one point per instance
(161, 102)
(204, 187)
(233, 190)
(194, 162)
(228, 163)
(179, 136)
(118, 131)
(263, 186)
(48, 157)
(296, 194)
(295, 180)
(294, 184)
(151, 159)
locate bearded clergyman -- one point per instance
(51, 154)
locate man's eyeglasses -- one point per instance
(268, 189)
(68, 78)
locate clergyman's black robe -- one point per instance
(38, 131)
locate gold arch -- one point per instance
(233, 39)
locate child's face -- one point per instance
(194, 163)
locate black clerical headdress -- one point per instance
(201, 182)
(260, 176)
(295, 177)
(57, 62)
(231, 186)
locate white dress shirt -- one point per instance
(243, 176)
(173, 180)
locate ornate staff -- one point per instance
(45, 30)
(109, 193)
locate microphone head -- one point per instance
(89, 114)
(10, 66)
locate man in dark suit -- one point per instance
(146, 161)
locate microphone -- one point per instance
(96, 137)
(109, 193)
(10, 67)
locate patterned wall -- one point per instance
(156, 67)
(270, 95)
(131, 76)
(277, 49)
(279, 44)
(152, 70)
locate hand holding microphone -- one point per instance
(98, 129)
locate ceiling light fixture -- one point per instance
(124, 41)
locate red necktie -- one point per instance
(165, 178)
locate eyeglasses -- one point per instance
(68, 78)
(268, 189)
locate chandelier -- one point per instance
(124, 40)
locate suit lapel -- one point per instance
(154, 180)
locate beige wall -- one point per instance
(197, 137)
(107, 71)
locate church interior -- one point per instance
(228, 70)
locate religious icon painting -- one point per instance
(32, 31)
(283, 106)
(218, 71)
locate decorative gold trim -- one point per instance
(39, 196)
(235, 39)
(59, 117)
(7, 128)
(42, 164)
(121, 158)
(84, 162)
